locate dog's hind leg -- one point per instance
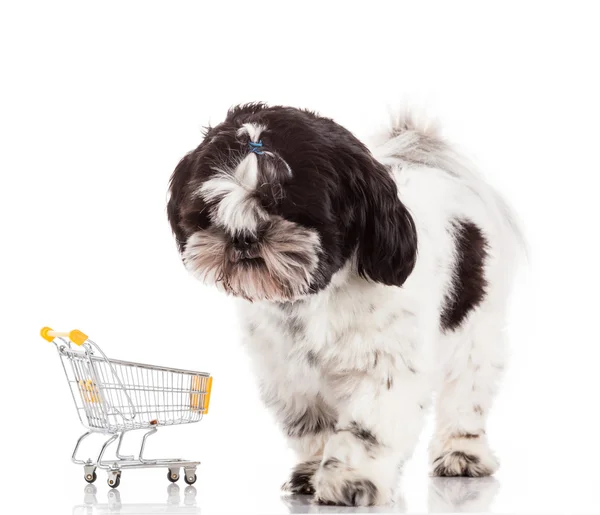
(460, 446)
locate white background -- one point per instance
(100, 101)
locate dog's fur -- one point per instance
(367, 281)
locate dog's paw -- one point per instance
(354, 492)
(461, 463)
(336, 484)
(301, 479)
(468, 456)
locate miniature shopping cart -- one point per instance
(113, 397)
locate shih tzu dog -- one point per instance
(367, 280)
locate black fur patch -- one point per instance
(331, 463)
(362, 434)
(312, 358)
(315, 418)
(324, 502)
(468, 436)
(468, 285)
(301, 478)
(295, 327)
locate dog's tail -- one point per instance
(416, 140)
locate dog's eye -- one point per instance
(201, 220)
(270, 197)
(268, 203)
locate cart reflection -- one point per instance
(176, 504)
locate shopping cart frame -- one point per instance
(101, 408)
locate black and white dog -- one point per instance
(366, 282)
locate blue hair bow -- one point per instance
(256, 147)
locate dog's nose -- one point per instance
(244, 241)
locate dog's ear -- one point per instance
(387, 237)
(179, 180)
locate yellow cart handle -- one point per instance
(207, 395)
(75, 335)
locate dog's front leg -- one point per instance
(378, 428)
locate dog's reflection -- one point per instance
(304, 504)
(445, 495)
(462, 494)
(174, 504)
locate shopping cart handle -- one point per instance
(75, 335)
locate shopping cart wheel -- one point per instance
(189, 479)
(114, 480)
(173, 475)
(90, 478)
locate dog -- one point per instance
(366, 280)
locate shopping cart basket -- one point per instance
(113, 397)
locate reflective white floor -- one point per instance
(442, 495)
(248, 481)
(446, 495)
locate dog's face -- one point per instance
(275, 200)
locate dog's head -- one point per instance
(275, 200)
